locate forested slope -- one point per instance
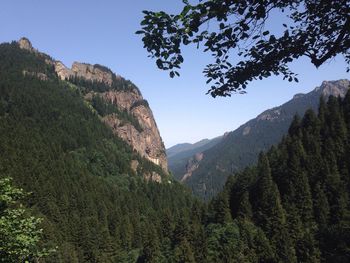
(292, 207)
(54, 145)
(297, 197)
(241, 147)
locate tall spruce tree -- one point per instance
(269, 213)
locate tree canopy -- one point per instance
(19, 233)
(243, 49)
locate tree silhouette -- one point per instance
(318, 29)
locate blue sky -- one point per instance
(103, 32)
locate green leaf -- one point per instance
(159, 63)
(181, 59)
(185, 11)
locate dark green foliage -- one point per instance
(241, 147)
(244, 207)
(220, 210)
(298, 194)
(20, 234)
(292, 207)
(223, 242)
(95, 207)
(318, 30)
(102, 107)
(151, 248)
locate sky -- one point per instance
(103, 32)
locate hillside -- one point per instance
(179, 154)
(103, 201)
(241, 147)
(295, 202)
(96, 193)
(118, 102)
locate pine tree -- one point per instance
(151, 248)
(183, 252)
(321, 206)
(299, 189)
(255, 247)
(336, 192)
(269, 212)
(346, 113)
(311, 128)
(220, 210)
(337, 129)
(245, 208)
(270, 215)
(295, 127)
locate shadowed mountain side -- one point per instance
(179, 155)
(241, 147)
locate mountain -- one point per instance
(179, 154)
(100, 200)
(127, 113)
(240, 148)
(71, 143)
(185, 147)
(293, 206)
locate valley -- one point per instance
(86, 147)
(252, 96)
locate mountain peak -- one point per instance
(88, 71)
(334, 88)
(298, 95)
(24, 43)
(130, 122)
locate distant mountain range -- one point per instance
(179, 154)
(205, 166)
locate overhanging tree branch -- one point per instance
(336, 46)
(318, 32)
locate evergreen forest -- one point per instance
(82, 202)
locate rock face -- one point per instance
(179, 155)
(335, 88)
(39, 75)
(90, 72)
(24, 43)
(93, 72)
(147, 141)
(192, 166)
(62, 71)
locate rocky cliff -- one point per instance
(192, 165)
(143, 137)
(147, 140)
